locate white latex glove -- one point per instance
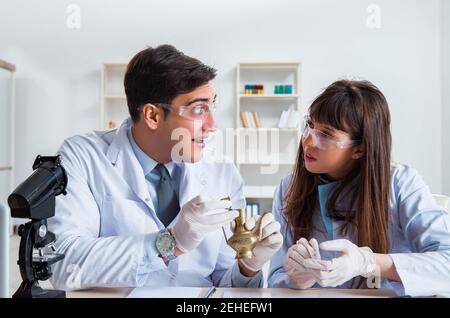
(271, 241)
(199, 217)
(293, 263)
(354, 261)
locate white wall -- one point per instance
(445, 75)
(58, 68)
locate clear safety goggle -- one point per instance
(324, 141)
(198, 111)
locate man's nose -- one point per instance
(209, 123)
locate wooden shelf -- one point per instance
(261, 129)
(269, 96)
(115, 96)
(115, 64)
(270, 65)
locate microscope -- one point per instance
(35, 199)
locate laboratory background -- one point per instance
(62, 65)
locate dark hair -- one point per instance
(360, 109)
(158, 75)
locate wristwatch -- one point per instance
(165, 244)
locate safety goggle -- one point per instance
(322, 140)
(198, 111)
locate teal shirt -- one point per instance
(325, 188)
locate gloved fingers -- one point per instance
(338, 264)
(290, 263)
(290, 251)
(199, 199)
(301, 276)
(288, 266)
(207, 207)
(266, 219)
(271, 228)
(225, 217)
(341, 245)
(304, 242)
(274, 240)
(323, 278)
(297, 257)
(315, 245)
(334, 279)
(251, 222)
(318, 264)
(304, 282)
(253, 266)
(327, 279)
(300, 249)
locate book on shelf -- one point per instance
(251, 124)
(256, 119)
(289, 118)
(252, 209)
(250, 119)
(243, 119)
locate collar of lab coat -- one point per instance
(147, 162)
(122, 157)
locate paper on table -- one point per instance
(165, 292)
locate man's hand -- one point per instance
(199, 217)
(270, 242)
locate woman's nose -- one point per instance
(308, 140)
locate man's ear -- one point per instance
(152, 115)
(358, 152)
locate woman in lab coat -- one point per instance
(352, 219)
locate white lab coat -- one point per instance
(419, 237)
(101, 223)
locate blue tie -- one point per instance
(168, 205)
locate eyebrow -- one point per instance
(328, 130)
(200, 100)
(325, 128)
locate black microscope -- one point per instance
(35, 199)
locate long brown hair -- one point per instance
(360, 109)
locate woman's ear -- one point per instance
(358, 152)
(152, 115)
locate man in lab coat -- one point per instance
(143, 201)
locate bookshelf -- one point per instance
(267, 153)
(113, 102)
(7, 156)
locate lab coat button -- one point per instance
(147, 199)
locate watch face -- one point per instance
(166, 244)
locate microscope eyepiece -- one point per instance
(35, 197)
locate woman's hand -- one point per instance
(295, 257)
(354, 261)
